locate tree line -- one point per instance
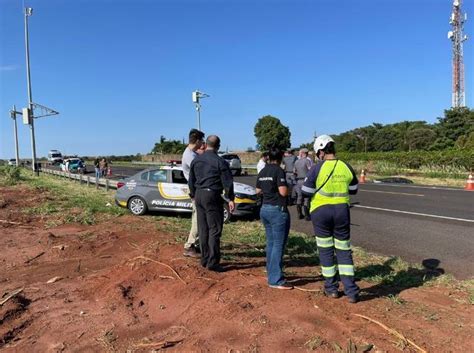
(453, 131)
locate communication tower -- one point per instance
(457, 37)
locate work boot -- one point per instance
(306, 213)
(191, 252)
(298, 210)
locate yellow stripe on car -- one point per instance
(183, 192)
(239, 200)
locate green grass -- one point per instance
(71, 202)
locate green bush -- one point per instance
(459, 161)
(10, 175)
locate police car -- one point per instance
(166, 189)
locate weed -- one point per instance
(10, 175)
(396, 299)
(314, 343)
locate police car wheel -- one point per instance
(227, 215)
(137, 206)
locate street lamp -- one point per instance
(196, 96)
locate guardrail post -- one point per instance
(96, 182)
(106, 184)
(88, 181)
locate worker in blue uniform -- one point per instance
(329, 182)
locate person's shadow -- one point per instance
(395, 276)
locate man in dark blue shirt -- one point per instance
(209, 176)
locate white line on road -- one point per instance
(392, 192)
(415, 186)
(415, 213)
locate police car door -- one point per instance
(164, 194)
(152, 195)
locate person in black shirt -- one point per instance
(271, 182)
(209, 176)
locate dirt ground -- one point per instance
(122, 285)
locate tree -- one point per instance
(168, 146)
(457, 122)
(420, 138)
(270, 132)
(386, 139)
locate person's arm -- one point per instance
(228, 183)
(309, 187)
(281, 183)
(354, 184)
(192, 181)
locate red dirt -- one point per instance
(109, 298)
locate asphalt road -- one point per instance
(416, 223)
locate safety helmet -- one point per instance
(321, 142)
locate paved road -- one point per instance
(413, 222)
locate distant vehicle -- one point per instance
(12, 161)
(55, 157)
(165, 189)
(234, 162)
(73, 165)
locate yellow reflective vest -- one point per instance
(336, 190)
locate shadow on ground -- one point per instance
(393, 280)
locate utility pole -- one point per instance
(196, 96)
(13, 114)
(28, 13)
(28, 113)
(457, 37)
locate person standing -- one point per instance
(329, 183)
(262, 162)
(271, 182)
(288, 165)
(97, 168)
(209, 176)
(302, 166)
(195, 142)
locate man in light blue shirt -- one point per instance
(196, 140)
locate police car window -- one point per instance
(144, 176)
(158, 176)
(178, 177)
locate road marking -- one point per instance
(415, 186)
(392, 192)
(415, 213)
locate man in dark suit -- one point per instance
(209, 177)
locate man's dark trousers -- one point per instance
(210, 213)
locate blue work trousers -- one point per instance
(332, 229)
(277, 226)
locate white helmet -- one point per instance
(321, 141)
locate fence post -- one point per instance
(106, 184)
(88, 181)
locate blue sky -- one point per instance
(121, 72)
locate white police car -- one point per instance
(166, 189)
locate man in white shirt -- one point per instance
(196, 140)
(262, 162)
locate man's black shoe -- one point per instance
(217, 268)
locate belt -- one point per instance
(300, 178)
(208, 189)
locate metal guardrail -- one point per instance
(103, 182)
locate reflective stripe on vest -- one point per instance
(342, 244)
(327, 242)
(346, 270)
(328, 271)
(336, 190)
